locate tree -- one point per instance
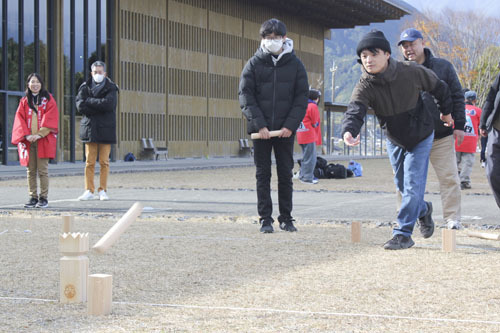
(469, 40)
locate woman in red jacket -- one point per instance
(308, 135)
(35, 134)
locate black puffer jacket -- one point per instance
(445, 71)
(99, 112)
(491, 108)
(273, 96)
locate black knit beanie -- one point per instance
(374, 39)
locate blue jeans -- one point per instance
(410, 177)
(308, 161)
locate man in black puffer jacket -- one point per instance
(442, 157)
(273, 96)
(96, 101)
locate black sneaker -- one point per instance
(266, 225)
(31, 203)
(465, 186)
(426, 222)
(288, 225)
(42, 203)
(399, 242)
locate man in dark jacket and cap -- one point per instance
(490, 127)
(443, 157)
(393, 90)
(96, 101)
(273, 96)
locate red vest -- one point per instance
(472, 119)
(308, 130)
(48, 116)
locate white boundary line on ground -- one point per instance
(323, 313)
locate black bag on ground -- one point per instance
(337, 171)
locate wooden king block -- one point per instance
(449, 240)
(73, 267)
(355, 232)
(100, 294)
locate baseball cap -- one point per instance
(470, 95)
(409, 35)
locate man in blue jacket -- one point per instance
(273, 96)
(443, 158)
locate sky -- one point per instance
(485, 7)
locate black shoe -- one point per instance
(288, 225)
(399, 242)
(42, 203)
(426, 222)
(31, 203)
(465, 186)
(266, 225)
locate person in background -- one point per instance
(443, 157)
(466, 151)
(34, 131)
(490, 127)
(393, 90)
(96, 101)
(273, 96)
(307, 138)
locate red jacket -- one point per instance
(472, 119)
(48, 116)
(309, 130)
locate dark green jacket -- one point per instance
(395, 97)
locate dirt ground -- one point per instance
(218, 274)
(377, 176)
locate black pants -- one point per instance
(283, 152)
(493, 163)
(484, 142)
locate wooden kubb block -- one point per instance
(449, 240)
(100, 294)
(355, 232)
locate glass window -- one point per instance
(43, 41)
(92, 36)
(79, 43)
(1, 50)
(67, 49)
(29, 37)
(12, 104)
(103, 31)
(13, 44)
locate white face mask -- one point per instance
(98, 77)
(272, 45)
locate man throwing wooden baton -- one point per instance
(273, 96)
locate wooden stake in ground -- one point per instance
(118, 228)
(449, 240)
(483, 235)
(100, 294)
(271, 133)
(67, 226)
(355, 232)
(74, 267)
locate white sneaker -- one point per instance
(296, 175)
(103, 196)
(87, 195)
(452, 224)
(483, 164)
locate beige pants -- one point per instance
(444, 161)
(38, 166)
(92, 150)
